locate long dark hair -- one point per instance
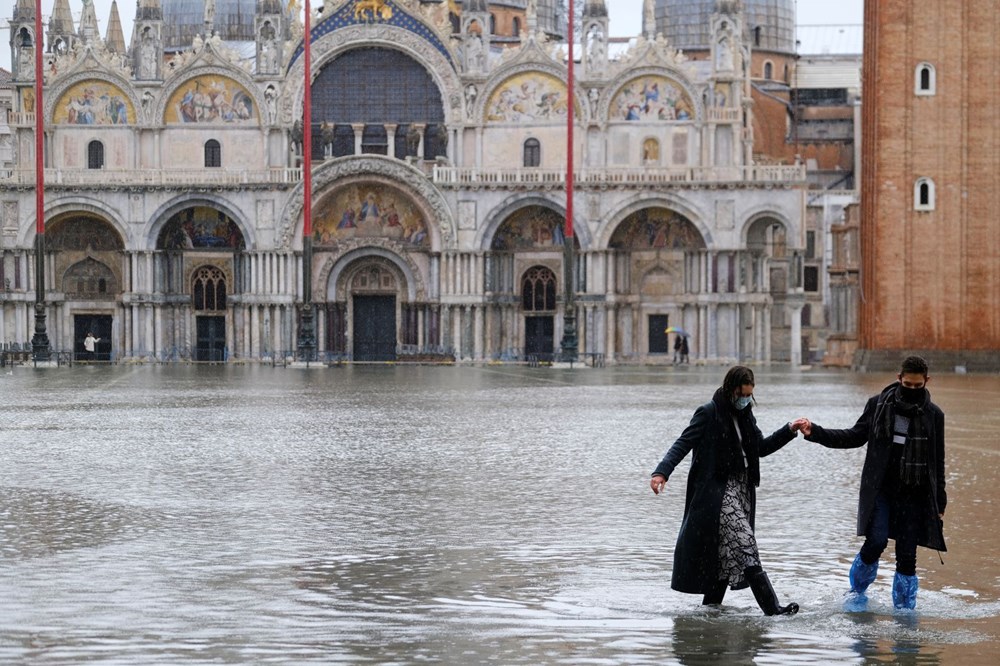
(737, 376)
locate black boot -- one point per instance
(764, 594)
(716, 593)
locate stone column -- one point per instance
(794, 306)
(359, 129)
(390, 133)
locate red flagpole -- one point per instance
(569, 127)
(570, 342)
(39, 127)
(307, 323)
(307, 127)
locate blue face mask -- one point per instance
(742, 402)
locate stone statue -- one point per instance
(297, 136)
(471, 93)
(413, 141)
(209, 12)
(326, 130)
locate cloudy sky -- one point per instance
(626, 16)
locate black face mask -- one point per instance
(914, 396)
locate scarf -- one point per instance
(730, 459)
(913, 461)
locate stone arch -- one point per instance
(506, 74)
(697, 113)
(64, 85)
(215, 75)
(374, 168)
(83, 205)
(754, 232)
(90, 279)
(642, 201)
(340, 266)
(328, 47)
(179, 203)
(496, 217)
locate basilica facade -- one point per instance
(174, 194)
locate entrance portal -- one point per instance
(374, 328)
(539, 336)
(100, 326)
(211, 344)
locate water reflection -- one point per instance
(445, 515)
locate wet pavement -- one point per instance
(460, 515)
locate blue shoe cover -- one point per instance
(855, 602)
(862, 575)
(904, 592)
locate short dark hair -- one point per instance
(737, 376)
(914, 365)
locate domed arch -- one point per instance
(94, 101)
(637, 203)
(652, 94)
(334, 42)
(750, 234)
(168, 212)
(529, 92)
(78, 204)
(400, 176)
(211, 95)
(767, 233)
(339, 265)
(503, 212)
(656, 228)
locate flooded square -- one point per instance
(460, 515)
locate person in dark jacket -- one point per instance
(902, 483)
(716, 546)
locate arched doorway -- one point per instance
(525, 258)
(200, 257)
(208, 299)
(655, 259)
(538, 301)
(87, 257)
(373, 285)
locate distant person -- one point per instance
(685, 350)
(716, 547)
(678, 344)
(89, 345)
(902, 482)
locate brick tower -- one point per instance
(930, 229)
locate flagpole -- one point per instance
(569, 342)
(307, 320)
(40, 340)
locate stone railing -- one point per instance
(724, 115)
(459, 177)
(108, 178)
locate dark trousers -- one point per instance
(901, 512)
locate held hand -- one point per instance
(657, 483)
(802, 425)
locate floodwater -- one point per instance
(456, 515)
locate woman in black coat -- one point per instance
(716, 547)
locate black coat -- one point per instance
(930, 534)
(710, 435)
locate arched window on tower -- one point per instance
(532, 153)
(516, 27)
(213, 153)
(923, 194)
(768, 70)
(95, 155)
(926, 79)
(493, 24)
(757, 31)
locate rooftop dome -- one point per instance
(686, 23)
